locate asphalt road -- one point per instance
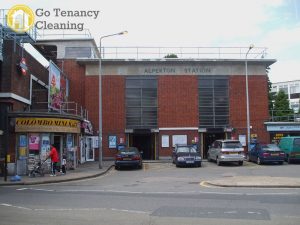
(157, 194)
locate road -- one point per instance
(157, 194)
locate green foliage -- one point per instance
(172, 55)
(282, 105)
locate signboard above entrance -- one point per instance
(47, 125)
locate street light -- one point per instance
(247, 97)
(100, 97)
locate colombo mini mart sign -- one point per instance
(47, 125)
(22, 18)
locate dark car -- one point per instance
(266, 153)
(186, 155)
(128, 157)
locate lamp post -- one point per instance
(247, 97)
(100, 96)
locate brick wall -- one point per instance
(178, 101)
(113, 110)
(177, 107)
(11, 81)
(163, 152)
(76, 76)
(258, 105)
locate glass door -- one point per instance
(90, 151)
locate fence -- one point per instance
(283, 116)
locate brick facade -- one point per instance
(178, 101)
(258, 105)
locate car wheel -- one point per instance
(241, 163)
(140, 166)
(208, 158)
(248, 158)
(200, 164)
(117, 167)
(289, 161)
(218, 161)
(258, 161)
(280, 163)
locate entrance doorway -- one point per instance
(145, 142)
(58, 143)
(208, 139)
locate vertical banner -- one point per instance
(55, 94)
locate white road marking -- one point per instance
(255, 213)
(161, 192)
(13, 206)
(76, 209)
(35, 189)
(230, 212)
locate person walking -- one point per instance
(53, 154)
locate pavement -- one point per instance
(83, 171)
(255, 182)
(91, 170)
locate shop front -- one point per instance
(34, 136)
(277, 130)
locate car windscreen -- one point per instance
(186, 149)
(270, 147)
(232, 144)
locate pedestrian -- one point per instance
(54, 159)
(64, 164)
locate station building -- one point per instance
(155, 102)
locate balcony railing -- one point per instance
(71, 108)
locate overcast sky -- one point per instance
(274, 24)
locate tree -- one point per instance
(172, 55)
(282, 104)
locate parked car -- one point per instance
(186, 155)
(291, 147)
(128, 157)
(226, 151)
(264, 153)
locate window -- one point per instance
(141, 102)
(213, 101)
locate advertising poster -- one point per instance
(69, 141)
(34, 142)
(45, 146)
(23, 142)
(112, 141)
(55, 92)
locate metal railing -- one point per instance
(182, 52)
(71, 108)
(63, 34)
(148, 53)
(283, 116)
(8, 33)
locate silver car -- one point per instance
(226, 151)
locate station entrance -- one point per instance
(208, 139)
(144, 140)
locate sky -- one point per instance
(274, 24)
